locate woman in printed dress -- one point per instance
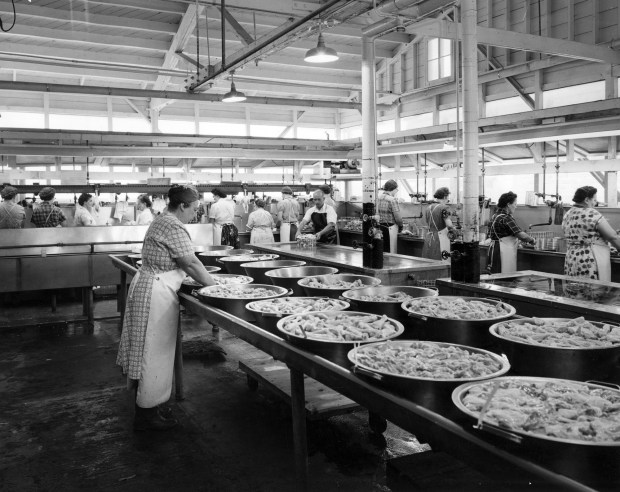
(587, 234)
(148, 340)
(261, 223)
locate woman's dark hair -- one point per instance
(506, 199)
(584, 192)
(178, 193)
(218, 192)
(84, 197)
(325, 188)
(260, 203)
(441, 193)
(144, 198)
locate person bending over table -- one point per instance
(148, 340)
(323, 218)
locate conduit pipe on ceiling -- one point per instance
(172, 95)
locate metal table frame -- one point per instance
(431, 427)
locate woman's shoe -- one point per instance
(150, 419)
(165, 412)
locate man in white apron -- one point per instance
(288, 215)
(390, 220)
(222, 215)
(505, 235)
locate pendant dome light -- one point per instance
(233, 95)
(321, 54)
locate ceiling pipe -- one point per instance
(174, 95)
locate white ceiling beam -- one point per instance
(173, 95)
(78, 17)
(131, 43)
(520, 41)
(158, 6)
(178, 43)
(171, 152)
(142, 113)
(241, 33)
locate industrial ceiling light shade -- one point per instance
(321, 54)
(233, 95)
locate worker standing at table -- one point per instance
(587, 233)
(46, 214)
(144, 206)
(328, 190)
(85, 211)
(323, 217)
(12, 215)
(390, 220)
(222, 216)
(505, 235)
(288, 215)
(439, 223)
(148, 341)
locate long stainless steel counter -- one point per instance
(397, 269)
(507, 462)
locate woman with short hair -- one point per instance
(505, 235)
(12, 215)
(261, 223)
(148, 340)
(439, 223)
(587, 233)
(144, 206)
(84, 211)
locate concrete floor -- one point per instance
(66, 418)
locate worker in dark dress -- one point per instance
(323, 217)
(505, 235)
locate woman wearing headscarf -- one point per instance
(84, 210)
(261, 223)
(144, 207)
(438, 219)
(46, 214)
(587, 233)
(390, 220)
(146, 351)
(12, 215)
(505, 235)
(222, 215)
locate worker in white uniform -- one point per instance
(222, 215)
(288, 215)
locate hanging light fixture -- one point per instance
(321, 54)
(233, 95)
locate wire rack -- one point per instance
(424, 283)
(542, 234)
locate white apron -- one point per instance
(603, 261)
(394, 238)
(508, 247)
(285, 232)
(157, 368)
(261, 235)
(217, 234)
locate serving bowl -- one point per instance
(257, 269)
(233, 263)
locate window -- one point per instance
(439, 58)
(17, 119)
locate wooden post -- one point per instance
(298, 410)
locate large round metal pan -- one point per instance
(257, 269)
(391, 308)
(288, 277)
(236, 305)
(269, 320)
(233, 263)
(433, 393)
(473, 333)
(210, 257)
(336, 292)
(333, 350)
(581, 364)
(595, 463)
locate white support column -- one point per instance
(46, 111)
(248, 122)
(369, 123)
(470, 122)
(196, 118)
(611, 189)
(110, 109)
(154, 115)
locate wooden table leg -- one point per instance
(178, 363)
(300, 444)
